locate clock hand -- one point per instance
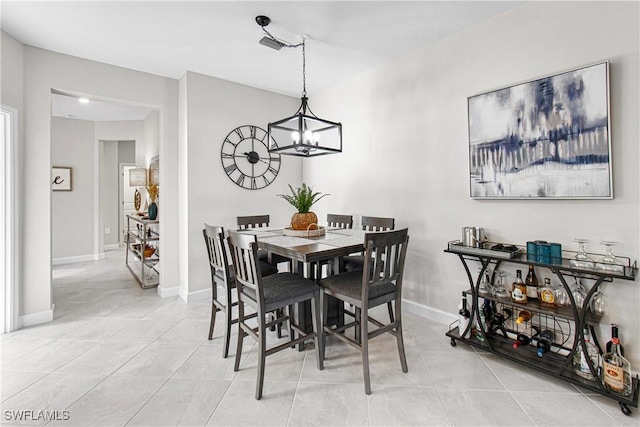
(259, 158)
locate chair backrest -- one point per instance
(217, 251)
(244, 254)
(373, 223)
(340, 221)
(255, 221)
(385, 253)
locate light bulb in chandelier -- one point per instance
(308, 137)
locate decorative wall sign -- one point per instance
(60, 179)
(548, 138)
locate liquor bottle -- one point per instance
(547, 295)
(531, 283)
(485, 314)
(478, 327)
(617, 371)
(519, 292)
(580, 364)
(614, 334)
(464, 316)
(524, 339)
(544, 342)
(523, 317)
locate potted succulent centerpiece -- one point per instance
(302, 198)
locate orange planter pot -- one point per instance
(304, 221)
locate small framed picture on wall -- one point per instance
(60, 179)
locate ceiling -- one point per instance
(97, 111)
(220, 38)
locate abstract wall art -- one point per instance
(548, 138)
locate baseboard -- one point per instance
(167, 292)
(198, 296)
(183, 294)
(35, 318)
(79, 258)
(430, 313)
(111, 247)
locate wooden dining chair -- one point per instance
(356, 262)
(336, 221)
(340, 221)
(369, 223)
(260, 221)
(254, 221)
(380, 282)
(222, 274)
(275, 293)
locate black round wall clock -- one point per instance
(246, 158)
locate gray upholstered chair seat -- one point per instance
(282, 287)
(266, 269)
(353, 262)
(350, 285)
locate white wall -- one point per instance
(151, 137)
(11, 73)
(43, 71)
(72, 219)
(212, 108)
(406, 146)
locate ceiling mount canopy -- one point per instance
(304, 134)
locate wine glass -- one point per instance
(582, 260)
(485, 288)
(562, 297)
(579, 293)
(501, 291)
(608, 262)
(598, 304)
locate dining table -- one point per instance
(305, 248)
(308, 251)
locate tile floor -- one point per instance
(117, 355)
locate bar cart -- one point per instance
(142, 255)
(565, 323)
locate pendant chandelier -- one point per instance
(304, 134)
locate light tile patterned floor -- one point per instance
(117, 355)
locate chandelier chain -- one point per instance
(304, 69)
(304, 61)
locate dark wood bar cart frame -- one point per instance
(557, 363)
